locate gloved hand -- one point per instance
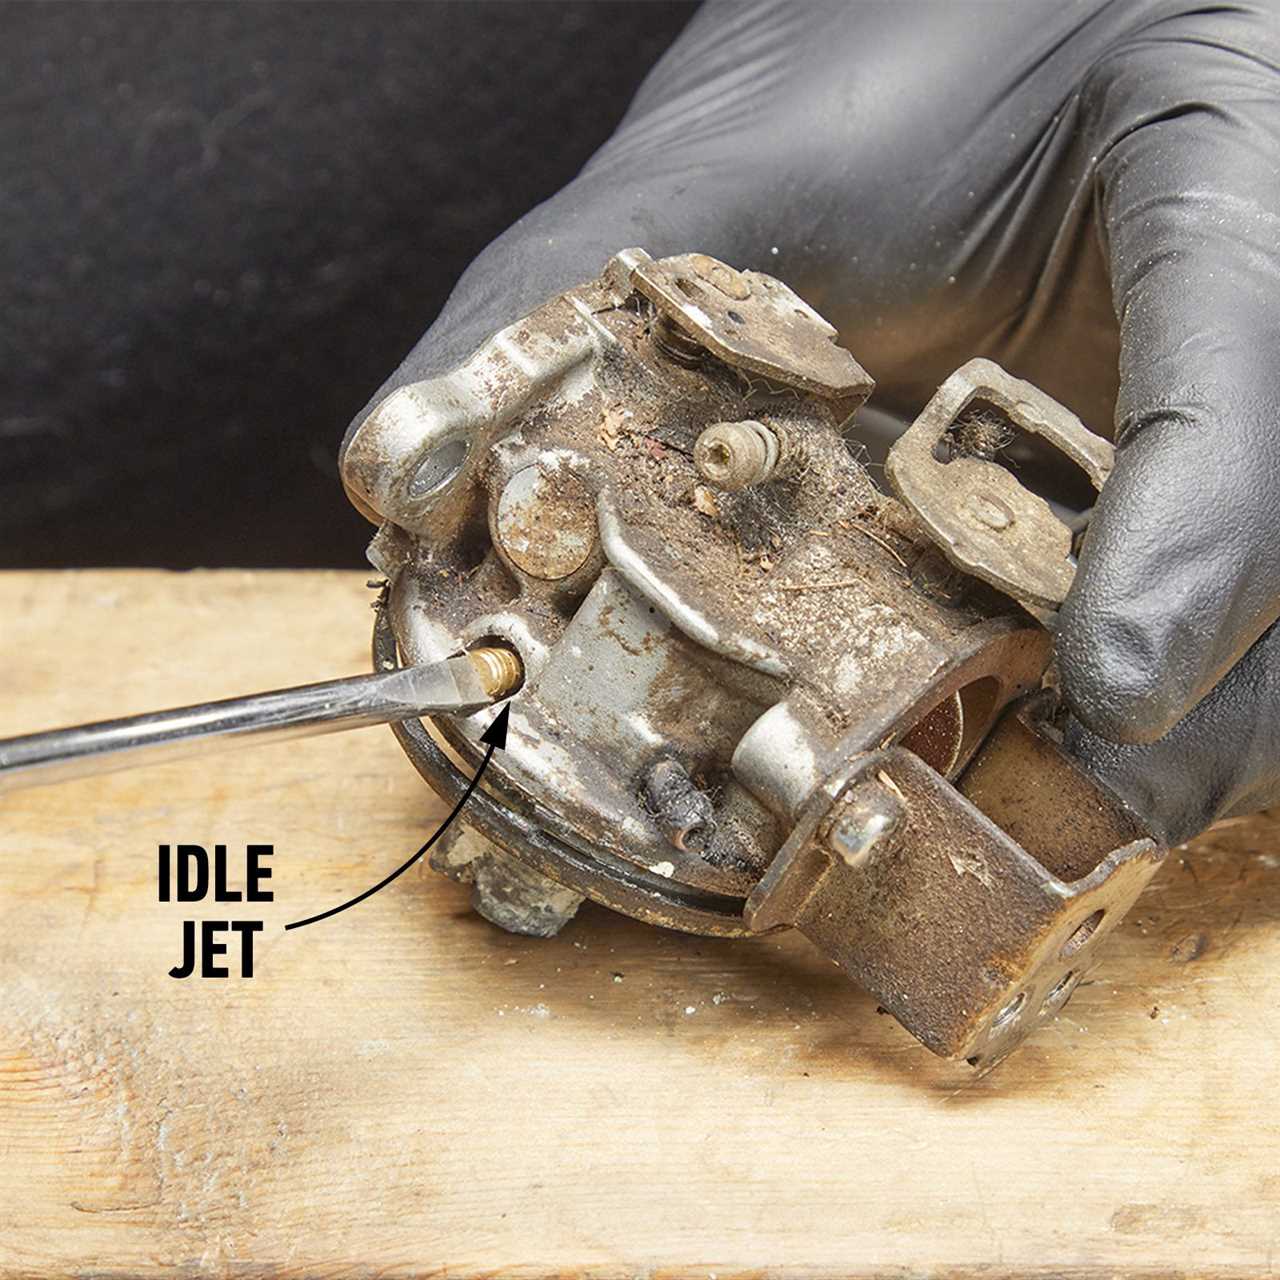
(1088, 194)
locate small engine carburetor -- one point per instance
(757, 691)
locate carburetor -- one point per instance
(758, 692)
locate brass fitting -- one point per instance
(500, 670)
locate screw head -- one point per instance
(867, 820)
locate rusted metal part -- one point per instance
(684, 811)
(957, 930)
(867, 819)
(532, 837)
(987, 523)
(546, 522)
(709, 670)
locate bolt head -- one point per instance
(867, 820)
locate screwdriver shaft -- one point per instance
(459, 684)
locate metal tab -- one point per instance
(753, 322)
(984, 521)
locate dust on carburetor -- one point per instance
(759, 692)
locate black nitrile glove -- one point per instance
(1087, 193)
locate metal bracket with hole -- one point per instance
(985, 522)
(921, 892)
(752, 322)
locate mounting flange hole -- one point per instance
(438, 468)
(1082, 933)
(1009, 1012)
(1058, 996)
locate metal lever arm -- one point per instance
(464, 683)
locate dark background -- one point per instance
(223, 225)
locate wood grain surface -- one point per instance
(405, 1090)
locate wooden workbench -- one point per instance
(403, 1089)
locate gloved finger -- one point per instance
(1180, 572)
(821, 143)
(1221, 759)
(689, 167)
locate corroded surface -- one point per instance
(754, 322)
(762, 637)
(694, 610)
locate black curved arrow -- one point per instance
(496, 738)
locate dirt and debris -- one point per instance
(704, 501)
(982, 430)
(811, 586)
